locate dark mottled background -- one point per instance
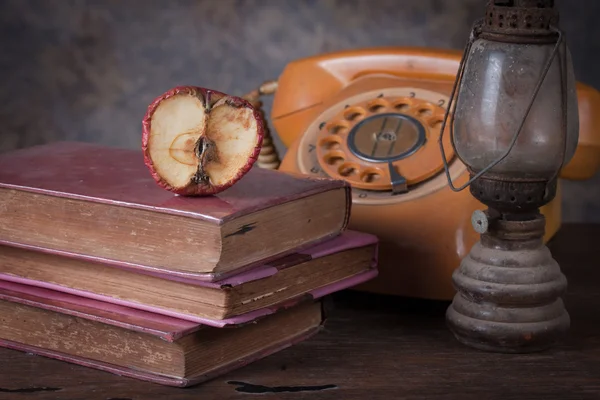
(86, 70)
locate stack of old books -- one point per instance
(101, 267)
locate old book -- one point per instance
(99, 201)
(139, 344)
(339, 263)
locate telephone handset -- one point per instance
(372, 117)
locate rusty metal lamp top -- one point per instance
(521, 20)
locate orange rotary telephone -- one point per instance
(373, 117)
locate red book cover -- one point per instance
(166, 328)
(118, 176)
(346, 241)
(193, 235)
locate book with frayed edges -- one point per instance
(342, 262)
(101, 202)
(140, 344)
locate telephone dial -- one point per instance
(372, 117)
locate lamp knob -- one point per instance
(480, 222)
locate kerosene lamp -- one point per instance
(513, 121)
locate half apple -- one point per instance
(198, 141)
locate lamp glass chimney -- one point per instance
(497, 87)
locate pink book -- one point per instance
(140, 344)
(101, 203)
(340, 263)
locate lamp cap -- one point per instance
(521, 20)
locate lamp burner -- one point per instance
(513, 196)
(519, 20)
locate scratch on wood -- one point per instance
(244, 229)
(256, 389)
(30, 390)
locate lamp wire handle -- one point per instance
(454, 100)
(564, 100)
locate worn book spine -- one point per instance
(167, 328)
(261, 267)
(346, 240)
(156, 378)
(17, 264)
(116, 176)
(105, 206)
(219, 323)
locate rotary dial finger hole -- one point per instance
(371, 175)
(348, 169)
(425, 112)
(354, 113)
(377, 106)
(402, 106)
(436, 124)
(330, 143)
(337, 127)
(436, 120)
(334, 158)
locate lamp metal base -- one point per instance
(509, 290)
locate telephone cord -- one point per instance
(268, 157)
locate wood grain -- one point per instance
(375, 347)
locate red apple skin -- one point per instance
(212, 96)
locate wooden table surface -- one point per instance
(374, 347)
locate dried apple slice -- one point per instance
(198, 141)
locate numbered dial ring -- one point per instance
(383, 144)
